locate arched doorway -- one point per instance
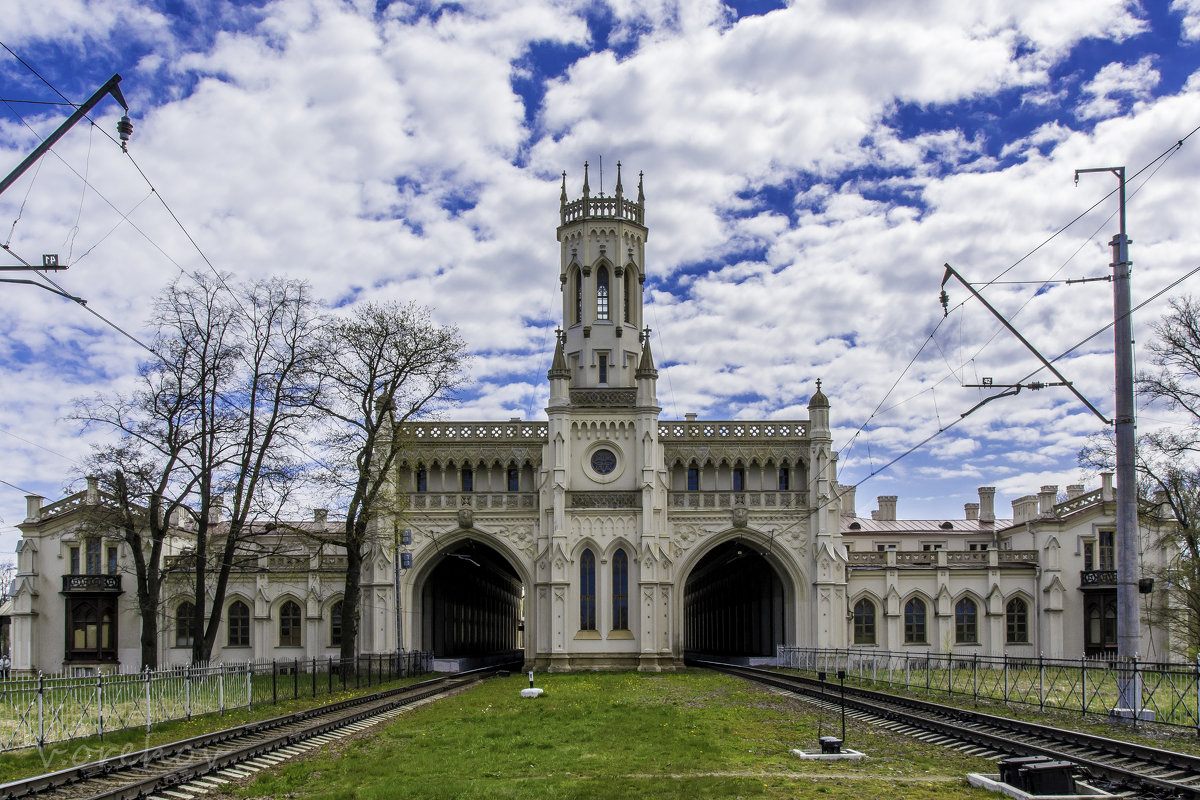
(733, 604)
(472, 605)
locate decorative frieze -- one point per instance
(604, 398)
(605, 499)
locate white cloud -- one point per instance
(1190, 21)
(1114, 82)
(390, 156)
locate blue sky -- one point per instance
(809, 167)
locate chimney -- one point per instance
(1047, 497)
(92, 497)
(33, 507)
(1024, 508)
(847, 495)
(1163, 505)
(320, 516)
(1074, 490)
(1106, 487)
(214, 510)
(987, 505)
(971, 510)
(689, 417)
(887, 507)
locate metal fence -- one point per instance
(1165, 693)
(35, 711)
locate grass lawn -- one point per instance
(28, 762)
(693, 735)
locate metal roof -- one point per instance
(928, 527)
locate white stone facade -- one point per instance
(601, 537)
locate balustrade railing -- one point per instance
(731, 499)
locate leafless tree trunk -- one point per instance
(385, 364)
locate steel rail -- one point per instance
(220, 761)
(1097, 756)
(262, 736)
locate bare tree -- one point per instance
(267, 405)
(145, 474)
(384, 364)
(218, 413)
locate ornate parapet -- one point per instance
(604, 207)
(716, 430)
(515, 432)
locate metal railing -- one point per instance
(1165, 693)
(37, 710)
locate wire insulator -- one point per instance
(124, 130)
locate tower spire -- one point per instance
(587, 190)
(641, 194)
(562, 198)
(619, 189)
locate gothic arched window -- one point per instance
(626, 293)
(1016, 621)
(602, 293)
(335, 624)
(966, 616)
(620, 591)
(237, 625)
(289, 625)
(183, 624)
(864, 622)
(587, 591)
(914, 621)
(184, 614)
(577, 280)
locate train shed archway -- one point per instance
(735, 604)
(472, 605)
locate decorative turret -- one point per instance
(818, 413)
(647, 375)
(602, 275)
(559, 374)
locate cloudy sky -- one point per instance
(809, 167)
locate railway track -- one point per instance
(1149, 772)
(192, 767)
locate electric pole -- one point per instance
(1129, 624)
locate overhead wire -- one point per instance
(35, 444)
(1157, 162)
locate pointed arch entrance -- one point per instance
(735, 604)
(472, 605)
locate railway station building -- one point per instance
(607, 537)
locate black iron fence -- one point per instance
(1166, 693)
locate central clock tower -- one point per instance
(604, 485)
